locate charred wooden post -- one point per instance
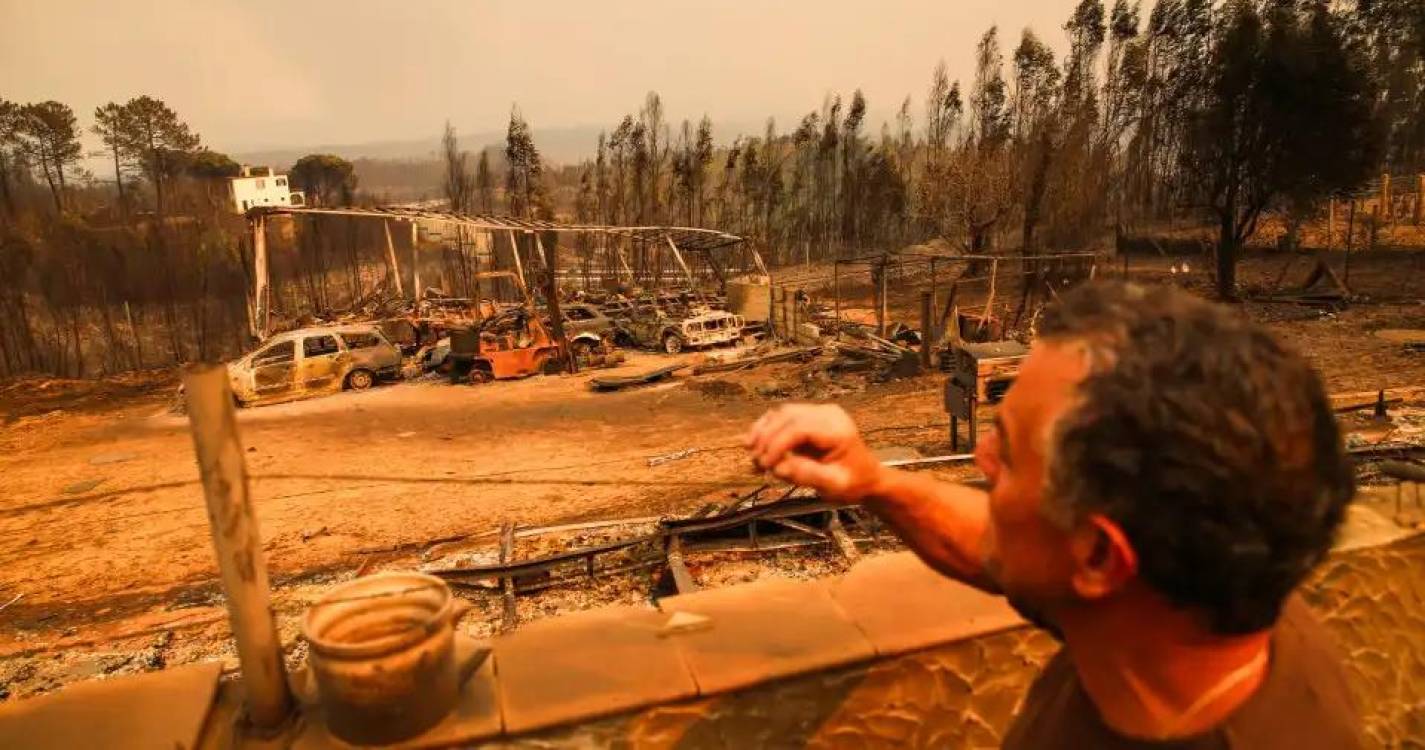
(990, 297)
(881, 303)
(1330, 223)
(1385, 196)
(237, 544)
(519, 266)
(927, 329)
(683, 264)
(391, 260)
(416, 263)
(260, 306)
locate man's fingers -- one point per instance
(808, 472)
(788, 439)
(754, 432)
(776, 422)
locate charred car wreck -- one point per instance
(516, 344)
(654, 327)
(313, 362)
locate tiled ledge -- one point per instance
(618, 660)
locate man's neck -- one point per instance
(1156, 672)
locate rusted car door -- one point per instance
(323, 362)
(274, 369)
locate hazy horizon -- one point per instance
(263, 77)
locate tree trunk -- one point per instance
(119, 182)
(78, 347)
(551, 301)
(134, 331)
(1226, 258)
(49, 178)
(28, 334)
(7, 197)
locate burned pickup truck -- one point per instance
(651, 326)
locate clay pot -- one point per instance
(382, 650)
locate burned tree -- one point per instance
(1281, 90)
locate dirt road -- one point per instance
(102, 527)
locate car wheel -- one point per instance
(672, 343)
(360, 380)
(478, 376)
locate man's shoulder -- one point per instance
(1305, 701)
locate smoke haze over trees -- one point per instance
(1194, 112)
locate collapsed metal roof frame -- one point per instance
(695, 239)
(677, 239)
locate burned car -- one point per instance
(515, 344)
(653, 327)
(312, 362)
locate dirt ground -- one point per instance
(104, 539)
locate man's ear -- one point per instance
(1104, 560)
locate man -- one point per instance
(1162, 476)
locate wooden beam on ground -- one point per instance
(799, 526)
(677, 569)
(841, 539)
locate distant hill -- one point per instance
(558, 145)
(407, 170)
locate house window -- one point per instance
(261, 184)
(281, 182)
(244, 205)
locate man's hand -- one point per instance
(817, 447)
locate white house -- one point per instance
(260, 186)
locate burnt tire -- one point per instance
(478, 376)
(672, 343)
(360, 380)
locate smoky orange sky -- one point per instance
(256, 74)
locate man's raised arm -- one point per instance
(819, 447)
